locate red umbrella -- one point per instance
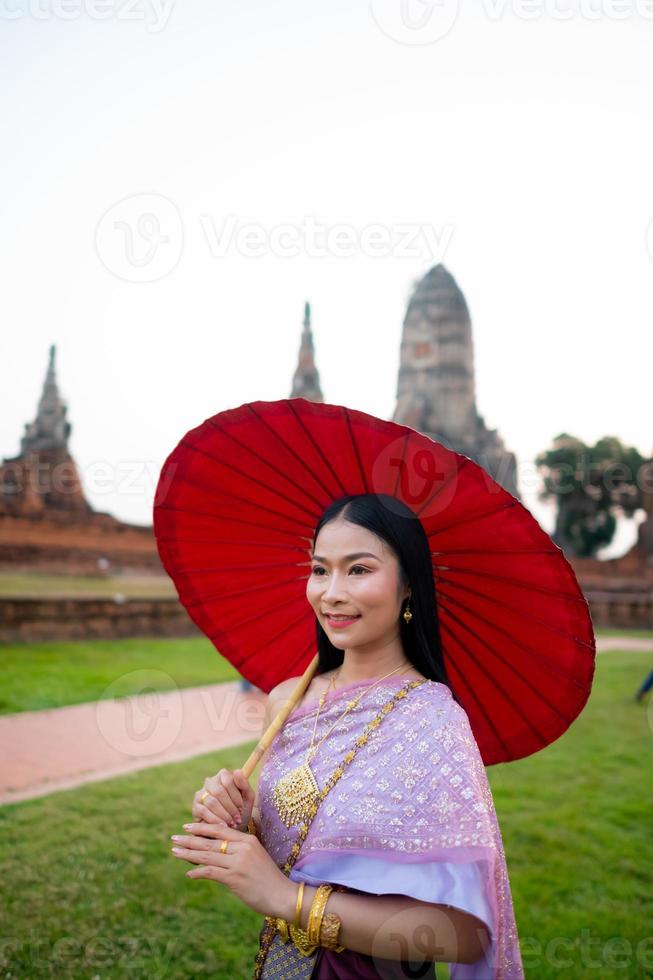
(234, 513)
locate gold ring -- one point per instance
(204, 795)
(223, 847)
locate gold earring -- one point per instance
(407, 613)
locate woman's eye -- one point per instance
(353, 569)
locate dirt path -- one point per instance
(44, 751)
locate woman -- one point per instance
(403, 824)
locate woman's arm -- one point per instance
(396, 927)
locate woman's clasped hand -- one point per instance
(226, 797)
(245, 867)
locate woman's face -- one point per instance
(365, 587)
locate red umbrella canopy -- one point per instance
(235, 509)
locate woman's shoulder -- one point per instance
(435, 703)
(435, 692)
(318, 684)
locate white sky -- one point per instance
(518, 137)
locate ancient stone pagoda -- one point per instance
(436, 387)
(46, 522)
(43, 477)
(306, 380)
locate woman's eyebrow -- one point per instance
(356, 554)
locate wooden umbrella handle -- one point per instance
(280, 718)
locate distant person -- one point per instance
(645, 688)
(246, 686)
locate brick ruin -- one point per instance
(46, 522)
(436, 390)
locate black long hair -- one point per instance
(394, 521)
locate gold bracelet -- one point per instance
(307, 940)
(298, 906)
(282, 929)
(322, 929)
(317, 912)
(282, 926)
(329, 932)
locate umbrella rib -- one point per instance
(402, 462)
(575, 597)
(470, 518)
(257, 544)
(264, 643)
(232, 520)
(240, 592)
(473, 696)
(256, 616)
(490, 550)
(289, 449)
(197, 569)
(552, 707)
(297, 662)
(355, 448)
(455, 472)
(513, 609)
(316, 447)
(218, 490)
(553, 668)
(510, 666)
(252, 479)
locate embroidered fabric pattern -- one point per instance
(267, 934)
(416, 791)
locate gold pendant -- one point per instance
(295, 794)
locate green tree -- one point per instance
(592, 486)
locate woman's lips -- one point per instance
(341, 622)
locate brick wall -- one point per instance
(37, 620)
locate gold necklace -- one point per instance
(297, 791)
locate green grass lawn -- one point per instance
(49, 675)
(41, 585)
(638, 634)
(90, 889)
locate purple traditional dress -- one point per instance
(408, 810)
